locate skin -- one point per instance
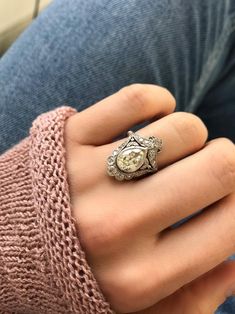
(142, 264)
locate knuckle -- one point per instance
(101, 236)
(124, 292)
(135, 95)
(190, 129)
(96, 239)
(222, 161)
(138, 97)
(170, 96)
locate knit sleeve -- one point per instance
(43, 268)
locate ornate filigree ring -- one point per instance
(135, 157)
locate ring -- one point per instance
(135, 157)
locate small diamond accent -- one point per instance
(111, 160)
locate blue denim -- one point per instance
(80, 51)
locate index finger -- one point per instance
(131, 105)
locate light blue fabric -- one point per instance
(80, 51)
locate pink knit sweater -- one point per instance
(43, 268)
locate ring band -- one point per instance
(135, 157)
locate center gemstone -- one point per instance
(131, 159)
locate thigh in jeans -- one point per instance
(217, 109)
(80, 51)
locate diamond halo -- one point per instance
(135, 157)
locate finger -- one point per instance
(180, 256)
(133, 104)
(197, 246)
(182, 134)
(185, 187)
(203, 295)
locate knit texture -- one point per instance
(43, 268)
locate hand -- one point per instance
(142, 264)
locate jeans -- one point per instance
(80, 51)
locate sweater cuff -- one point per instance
(45, 268)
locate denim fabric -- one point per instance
(80, 51)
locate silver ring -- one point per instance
(135, 157)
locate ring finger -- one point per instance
(182, 134)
